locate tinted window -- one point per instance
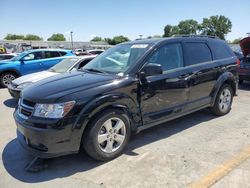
(51, 54)
(62, 53)
(169, 57)
(33, 56)
(197, 52)
(220, 50)
(84, 62)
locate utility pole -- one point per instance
(71, 37)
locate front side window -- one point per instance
(33, 56)
(117, 59)
(197, 52)
(169, 57)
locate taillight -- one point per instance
(238, 62)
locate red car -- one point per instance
(244, 68)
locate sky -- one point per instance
(108, 18)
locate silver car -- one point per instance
(66, 65)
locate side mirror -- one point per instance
(152, 69)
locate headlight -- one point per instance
(23, 85)
(58, 110)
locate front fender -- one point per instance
(118, 100)
(226, 77)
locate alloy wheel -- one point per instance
(111, 135)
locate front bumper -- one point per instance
(47, 142)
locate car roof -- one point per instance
(155, 41)
(49, 49)
(82, 57)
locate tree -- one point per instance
(14, 37)
(116, 40)
(32, 37)
(170, 30)
(236, 41)
(96, 39)
(188, 27)
(57, 37)
(216, 26)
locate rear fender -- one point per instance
(226, 77)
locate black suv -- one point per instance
(128, 88)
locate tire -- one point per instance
(223, 101)
(6, 78)
(241, 81)
(101, 140)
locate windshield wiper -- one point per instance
(94, 70)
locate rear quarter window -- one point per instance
(220, 50)
(197, 52)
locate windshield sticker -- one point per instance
(139, 46)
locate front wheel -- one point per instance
(7, 78)
(223, 101)
(107, 135)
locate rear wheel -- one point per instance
(6, 78)
(107, 135)
(223, 101)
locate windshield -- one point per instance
(117, 59)
(64, 65)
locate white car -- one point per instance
(66, 65)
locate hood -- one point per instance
(50, 89)
(245, 46)
(34, 77)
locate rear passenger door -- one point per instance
(198, 59)
(51, 58)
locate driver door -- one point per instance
(32, 62)
(165, 95)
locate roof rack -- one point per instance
(205, 36)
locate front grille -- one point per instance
(28, 103)
(25, 108)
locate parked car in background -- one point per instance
(7, 56)
(244, 68)
(29, 62)
(81, 52)
(95, 51)
(66, 65)
(147, 83)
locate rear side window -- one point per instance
(197, 52)
(51, 54)
(220, 50)
(62, 53)
(169, 57)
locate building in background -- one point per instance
(18, 46)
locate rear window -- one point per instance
(220, 50)
(197, 52)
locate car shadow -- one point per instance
(15, 158)
(11, 103)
